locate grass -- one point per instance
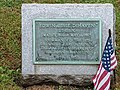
(10, 36)
(7, 80)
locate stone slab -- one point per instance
(31, 80)
(53, 11)
(81, 81)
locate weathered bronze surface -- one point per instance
(74, 41)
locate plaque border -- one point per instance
(67, 62)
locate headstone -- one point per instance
(64, 41)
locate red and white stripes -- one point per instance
(102, 79)
(113, 61)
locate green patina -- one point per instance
(67, 41)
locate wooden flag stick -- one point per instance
(109, 32)
(114, 75)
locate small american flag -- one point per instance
(108, 63)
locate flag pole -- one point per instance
(114, 69)
(109, 32)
